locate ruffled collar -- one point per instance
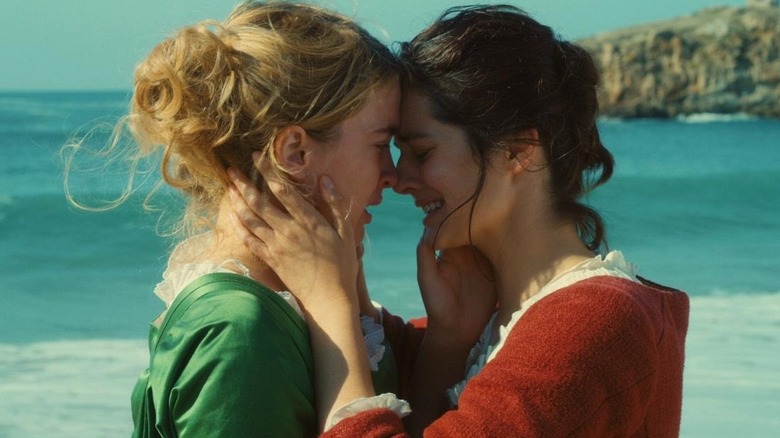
(181, 271)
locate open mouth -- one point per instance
(431, 207)
(366, 211)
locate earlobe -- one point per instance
(524, 152)
(292, 149)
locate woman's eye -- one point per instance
(422, 154)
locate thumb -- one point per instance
(426, 258)
(338, 209)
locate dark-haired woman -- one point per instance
(498, 143)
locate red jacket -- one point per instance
(600, 358)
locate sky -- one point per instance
(48, 45)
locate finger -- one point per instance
(460, 256)
(255, 245)
(427, 265)
(260, 212)
(338, 208)
(250, 203)
(295, 204)
(249, 221)
(246, 188)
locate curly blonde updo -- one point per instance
(214, 93)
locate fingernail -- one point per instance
(326, 181)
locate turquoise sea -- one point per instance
(695, 203)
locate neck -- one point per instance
(524, 261)
(226, 245)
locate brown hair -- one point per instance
(494, 72)
(214, 93)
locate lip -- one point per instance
(376, 201)
(429, 217)
(438, 204)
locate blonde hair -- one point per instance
(211, 95)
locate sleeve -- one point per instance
(384, 373)
(236, 370)
(404, 339)
(574, 365)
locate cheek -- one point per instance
(436, 176)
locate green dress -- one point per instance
(231, 359)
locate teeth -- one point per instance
(429, 208)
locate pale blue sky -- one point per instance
(94, 44)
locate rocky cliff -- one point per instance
(721, 60)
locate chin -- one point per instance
(444, 240)
(360, 234)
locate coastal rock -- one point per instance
(723, 60)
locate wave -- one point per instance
(80, 388)
(57, 113)
(716, 117)
(732, 366)
(688, 118)
(69, 388)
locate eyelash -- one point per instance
(422, 155)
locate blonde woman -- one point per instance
(308, 92)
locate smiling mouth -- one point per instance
(432, 206)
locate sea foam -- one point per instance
(82, 388)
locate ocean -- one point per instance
(695, 203)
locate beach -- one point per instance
(81, 388)
(693, 203)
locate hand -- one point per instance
(315, 258)
(318, 262)
(364, 300)
(458, 291)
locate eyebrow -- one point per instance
(389, 130)
(409, 136)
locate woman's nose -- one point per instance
(389, 175)
(407, 175)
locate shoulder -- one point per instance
(228, 350)
(600, 320)
(241, 301)
(239, 312)
(589, 352)
(610, 302)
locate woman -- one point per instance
(498, 143)
(309, 92)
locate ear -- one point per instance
(524, 151)
(293, 149)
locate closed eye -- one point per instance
(422, 154)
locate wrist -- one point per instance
(330, 299)
(445, 347)
(447, 337)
